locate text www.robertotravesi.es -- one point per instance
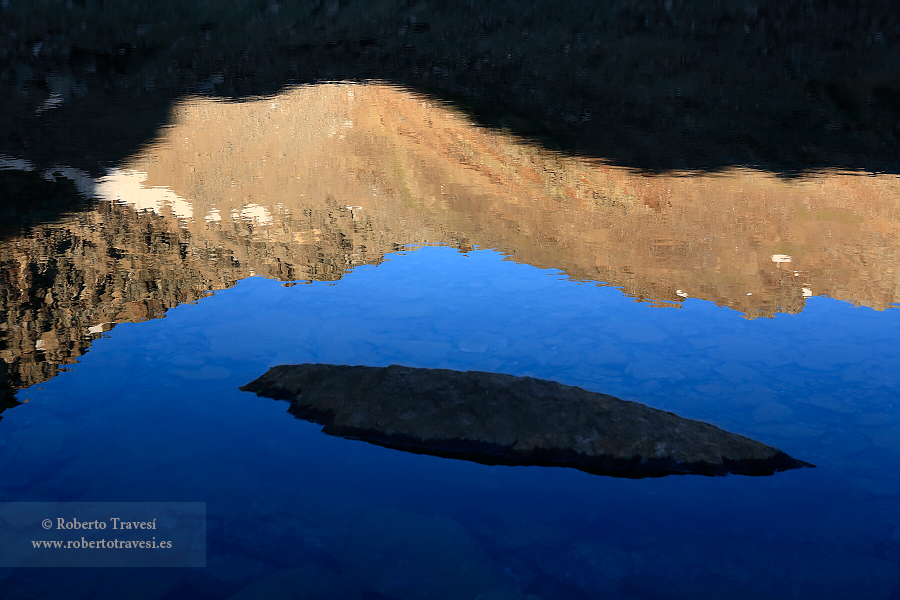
(83, 543)
(117, 523)
(102, 534)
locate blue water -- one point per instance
(152, 413)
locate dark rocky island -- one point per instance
(493, 418)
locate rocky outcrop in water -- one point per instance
(494, 418)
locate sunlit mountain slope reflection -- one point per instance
(315, 181)
(417, 172)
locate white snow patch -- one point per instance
(125, 187)
(256, 214)
(99, 328)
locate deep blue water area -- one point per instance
(153, 413)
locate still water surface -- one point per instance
(362, 224)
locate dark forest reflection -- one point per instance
(308, 184)
(653, 85)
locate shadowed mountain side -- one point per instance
(493, 418)
(29, 199)
(7, 393)
(652, 85)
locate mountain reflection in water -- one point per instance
(792, 87)
(319, 179)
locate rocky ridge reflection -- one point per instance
(319, 179)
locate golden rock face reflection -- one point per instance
(377, 166)
(312, 182)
